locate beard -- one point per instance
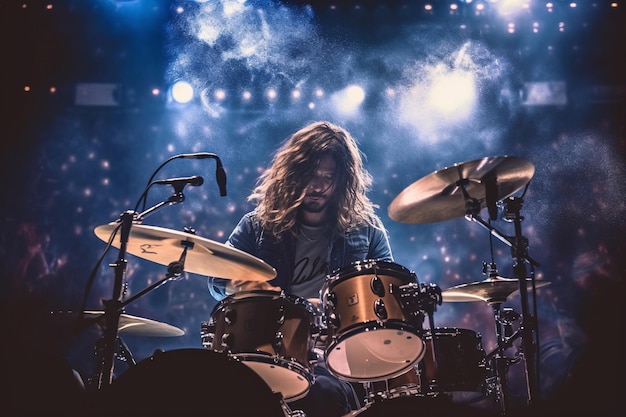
(316, 206)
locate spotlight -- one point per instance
(182, 92)
(349, 99)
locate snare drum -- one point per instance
(270, 332)
(370, 335)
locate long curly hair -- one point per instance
(281, 188)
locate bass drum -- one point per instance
(186, 381)
(418, 406)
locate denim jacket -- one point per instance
(357, 244)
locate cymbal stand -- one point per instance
(505, 337)
(518, 245)
(512, 209)
(114, 306)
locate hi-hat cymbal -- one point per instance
(203, 257)
(491, 290)
(138, 326)
(439, 195)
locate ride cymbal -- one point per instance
(491, 290)
(443, 194)
(203, 256)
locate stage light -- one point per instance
(349, 99)
(511, 7)
(453, 94)
(271, 94)
(544, 93)
(182, 92)
(219, 94)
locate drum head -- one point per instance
(375, 352)
(185, 381)
(366, 266)
(283, 376)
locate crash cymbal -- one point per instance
(138, 326)
(203, 257)
(491, 290)
(439, 196)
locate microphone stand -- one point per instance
(112, 310)
(115, 305)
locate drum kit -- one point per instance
(368, 324)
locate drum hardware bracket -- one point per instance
(418, 297)
(288, 411)
(123, 352)
(508, 316)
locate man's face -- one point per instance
(320, 189)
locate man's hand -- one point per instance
(236, 285)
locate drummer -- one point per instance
(312, 217)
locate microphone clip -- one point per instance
(177, 197)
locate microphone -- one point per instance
(220, 176)
(198, 155)
(179, 183)
(491, 193)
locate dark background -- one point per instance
(70, 163)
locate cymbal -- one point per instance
(439, 195)
(138, 326)
(491, 290)
(203, 257)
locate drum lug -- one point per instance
(380, 309)
(331, 299)
(281, 317)
(277, 344)
(227, 342)
(377, 286)
(334, 320)
(230, 316)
